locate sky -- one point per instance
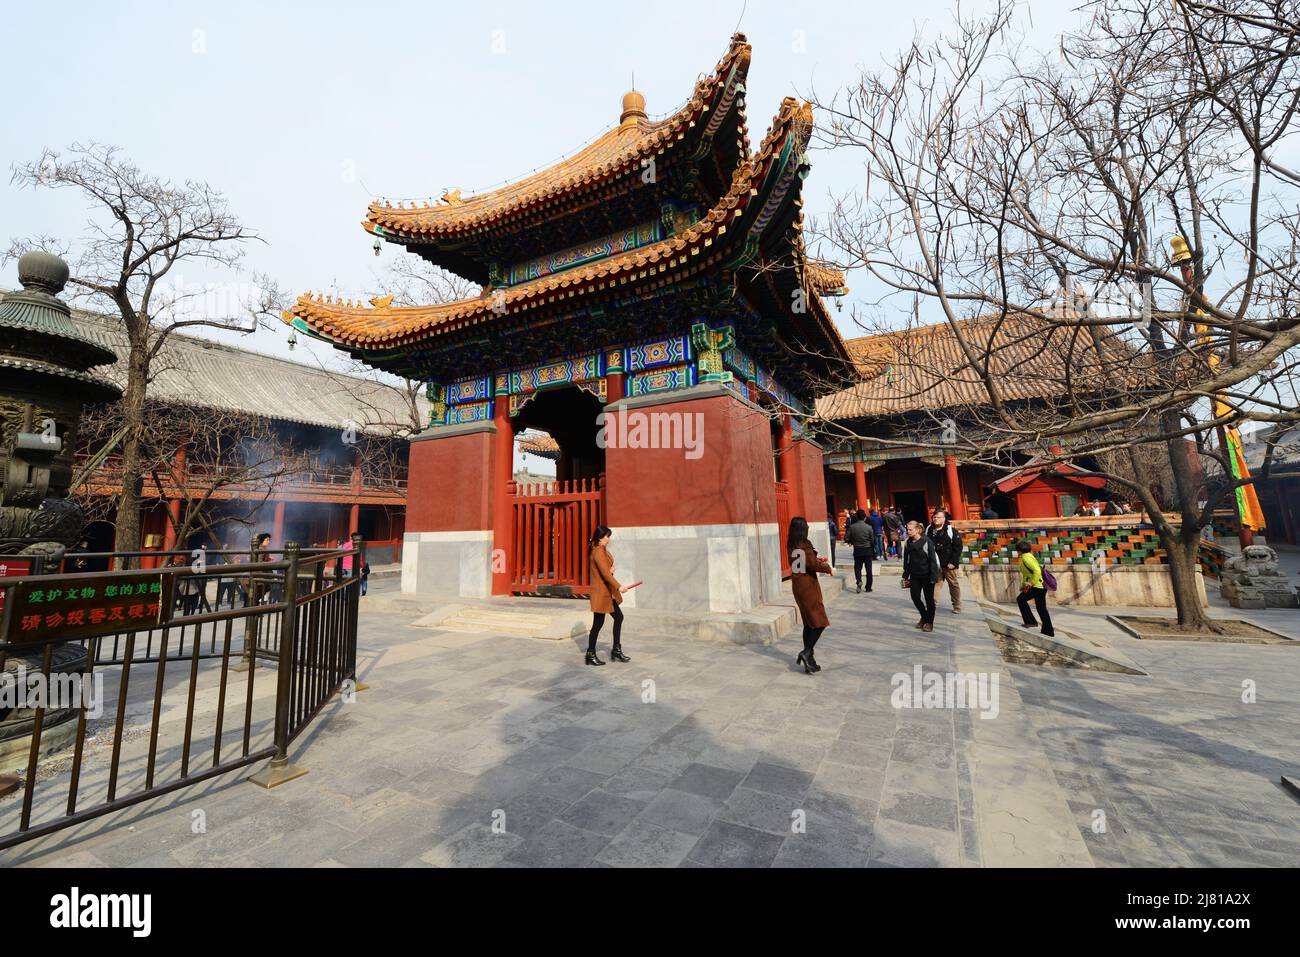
(302, 113)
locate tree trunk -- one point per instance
(1182, 550)
(1182, 546)
(133, 408)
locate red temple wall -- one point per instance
(449, 484)
(657, 487)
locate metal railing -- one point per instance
(301, 614)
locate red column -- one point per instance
(860, 483)
(503, 465)
(174, 505)
(955, 508)
(613, 387)
(354, 514)
(786, 466)
(277, 532)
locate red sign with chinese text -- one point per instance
(60, 606)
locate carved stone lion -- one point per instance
(1256, 561)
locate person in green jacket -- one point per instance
(1032, 588)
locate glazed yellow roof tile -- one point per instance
(385, 326)
(616, 151)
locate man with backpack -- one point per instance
(878, 530)
(948, 545)
(893, 529)
(863, 540)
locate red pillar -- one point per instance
(613, 387)
(277, 532)
(787, 466)
(860, 483)
(174, 505)
(354, 514)
(955, 508)
(503, 455)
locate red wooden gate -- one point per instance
(553, 522)
(783, 524)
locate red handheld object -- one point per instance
(631, 586)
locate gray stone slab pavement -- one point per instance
(488, 750)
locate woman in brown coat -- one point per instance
(606, 596)
(804, 569)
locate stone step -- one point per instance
(466, 618)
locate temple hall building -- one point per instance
(648, 304)
(917, 382)
(244, 442)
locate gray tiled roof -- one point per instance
(201, 372)
(1286, 454)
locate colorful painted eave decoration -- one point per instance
(618, 152)
(384, 328)
(620, 242)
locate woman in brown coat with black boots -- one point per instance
(606, 596)
(804, 569)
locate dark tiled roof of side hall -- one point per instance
(195, 371)
(925, 367)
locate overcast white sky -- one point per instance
(301, 113)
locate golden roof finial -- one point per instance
(633, 108)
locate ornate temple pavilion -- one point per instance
(646, 302)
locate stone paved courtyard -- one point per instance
(481, 749)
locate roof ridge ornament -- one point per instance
(633, 109)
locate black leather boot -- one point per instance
(805, 658)
(593, 658)
(616, 654)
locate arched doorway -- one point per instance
(570, 416)
(552, 522)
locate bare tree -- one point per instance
(1031, 200)
(141, 233)
(214, 462)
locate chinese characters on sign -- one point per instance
(87, 606)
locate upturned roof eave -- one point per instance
(456, 220)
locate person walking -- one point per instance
(805, 566)
(947, 542)
(920, 572)
(231, 586)
(355, 565)
(878, 530)
(834, 530)
(893, 528)
(1032, 589)
(863, 540)
(606, 596)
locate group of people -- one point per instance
(887, 530)
(1109, 507)
(930, 554)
